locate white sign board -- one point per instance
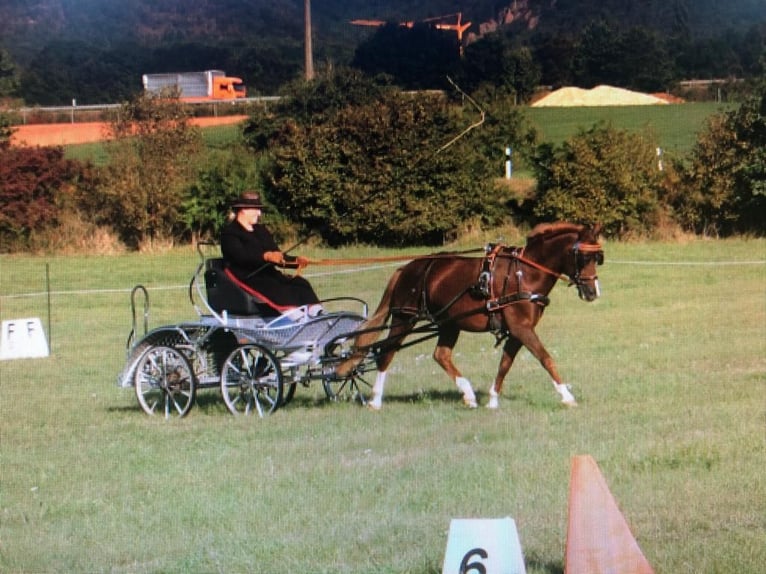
(483, 546)
(23, 339)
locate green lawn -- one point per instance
(674, 126)
(668, 367)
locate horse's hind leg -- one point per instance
(443, 355)
(510, 349)
(400, 329)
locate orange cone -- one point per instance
(599, 540)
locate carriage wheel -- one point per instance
(288, 392)
(165, 382)
(352, 388)
(251, 381)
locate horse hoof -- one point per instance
(471, 404)
(373, 407)
(493, 404)
(569, 404)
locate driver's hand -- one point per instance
(301, 261)
(274, 257)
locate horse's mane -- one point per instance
(544, 230)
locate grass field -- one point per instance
(668, 367)
(674, 126)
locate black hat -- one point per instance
(248, 199)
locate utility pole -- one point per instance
(309, 50)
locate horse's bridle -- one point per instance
(581, 251)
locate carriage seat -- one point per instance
(225, 292)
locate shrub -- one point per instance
(152, 163)
(600, 175)
(224, 174)
(723, 189)
(382, 166)
(36, 186)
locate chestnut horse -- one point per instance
(504, 292)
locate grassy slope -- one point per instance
(674, 126)
(668, 366)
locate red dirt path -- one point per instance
(86, 132)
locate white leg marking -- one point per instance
(567, 397)
(494, 400)
(376, 403)
(469, 398)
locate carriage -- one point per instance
(256, 355)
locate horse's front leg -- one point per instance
(510, 349)
(443, 355)
(531, 341)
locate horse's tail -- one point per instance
(371, 328)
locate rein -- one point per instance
(577, 248)
(391, 258)
(519, 256)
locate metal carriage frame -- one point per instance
(256, 358)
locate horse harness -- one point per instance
(484, 288)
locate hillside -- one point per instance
(58, 43)
(26, 27)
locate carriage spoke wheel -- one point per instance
(351, 388)
(165, 382)
(251, 381)
(288, 392)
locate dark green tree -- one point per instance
(645, 64)
(496, 61)
(598, 57)
(8, 75)
(416, 58)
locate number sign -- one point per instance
(483, 546)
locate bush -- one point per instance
(382, 166)
(600, 175)
(224, 174)
(723, 189)
(152, 163)
(37, 185)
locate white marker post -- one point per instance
(23, 339)
(483, 546)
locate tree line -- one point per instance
(354, 159)
(417, 58)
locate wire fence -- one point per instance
(104, 112)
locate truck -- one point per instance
(197, 86)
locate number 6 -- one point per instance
(478, 567)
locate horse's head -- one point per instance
(587, 254)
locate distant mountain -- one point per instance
(262, 40)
